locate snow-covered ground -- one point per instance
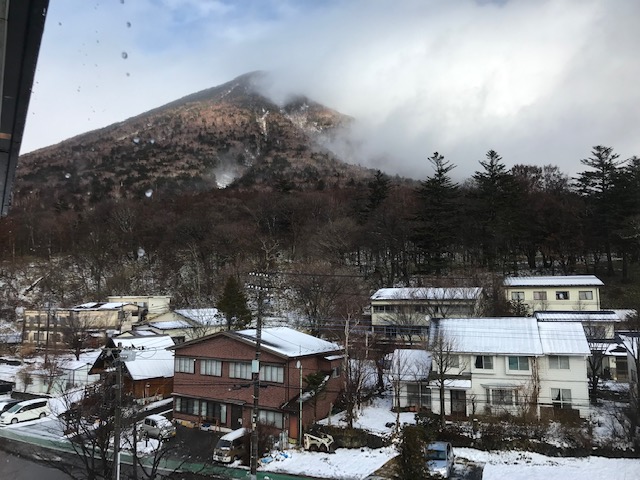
(513, 465)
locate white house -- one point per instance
(631, 343)
(562, 292)
(510, 365)
(398, 312)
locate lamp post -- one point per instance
(299, 366)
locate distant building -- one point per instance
(406, 312)
(149, 306)
(564, 293)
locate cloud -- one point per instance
(538, 81)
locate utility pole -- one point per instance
(261, 288)
(122, 356)
(46, 341)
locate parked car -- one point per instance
(6, 404)
(231, 446)
(26, 410)
(440, 458)
(157, 426)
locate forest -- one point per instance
(323, 242)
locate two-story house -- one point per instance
(186, 324)
(149, 306)
(406, 312)
(505, 365)
(49, 327)
(563, 293)
(213, 379)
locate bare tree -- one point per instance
(445, 360)
(75, 329)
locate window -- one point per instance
(190, 406)
(502, 396)
(211, 367)
(185, 365)
(539, 295)
(563, 295)
(454, 361)
(518, 363)
(585, 295)
(557, 362)
(336, 372)
(418, 395)
(561, 397)
(240, 370)
(517, 296)
(485, 362)
(267, 417)
(272, 373)
(213, 411)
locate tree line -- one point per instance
(379, 231)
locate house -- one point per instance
(408, 372)
(600, 328)
(48, 327)
(506, 365)
(149, 306)
(406, 312)
(147, 365)
(568, 292)
(186, 324)
(213, 385)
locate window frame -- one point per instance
(210, 364)
(559, 362)
(518, 362)
(483, 361)
(239, 370)
(562, 295)
(563, 398)
(517, 296)
(185, 365)
(269, 372)
(540, 295)
(585, 294)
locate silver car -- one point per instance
(157, 426)
(440, 458)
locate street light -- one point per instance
(299, 366)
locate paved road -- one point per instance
(18, 468)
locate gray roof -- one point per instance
(554, 281)
(428, 293)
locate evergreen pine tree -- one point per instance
(233, 304)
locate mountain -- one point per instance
(229, 135)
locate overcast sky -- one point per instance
(538, 81)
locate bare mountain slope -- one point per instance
(226, 135)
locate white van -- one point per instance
(231, 447)
(27, 410)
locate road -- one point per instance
(17, 468)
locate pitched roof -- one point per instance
(513, 336)
(288, 342)
(409, 364)
(152, 359)
(554, 281)
(428, 293)
(202, 316)
(578, 316)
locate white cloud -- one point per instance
(538, 81)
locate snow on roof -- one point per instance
(583, 316)
(506, 335)
(625, 313)
(203, 316)
(514, 335)
(631, 342)
(428, 293)
(152, 359)
(409, 365)
(563, 338)
(100, 306)
(288, 342)
(554, 281)
(170, 325)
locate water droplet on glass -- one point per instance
(67, 175)
(128, 74)
(128, 24)
(141, 252)
(152, 141)
(148, 193)
(60, 23)
(125, 55)
(136, 140)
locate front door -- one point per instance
(236, 416)
(458, 403)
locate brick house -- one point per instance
(213, 386)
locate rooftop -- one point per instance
(554, 281)
(428, 293)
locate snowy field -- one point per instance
(512, 465)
